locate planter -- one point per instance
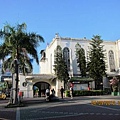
(114, 93)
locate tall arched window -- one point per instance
(66, 57)
(111, 61)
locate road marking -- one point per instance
(75, 114)
(110, 114)
(92, 113)
(116, 114)
(55, 117)
(97, 113)
(65, 112)
(18, 114)
(72, 113)
(104, 114)
(59, 114)
(104, 107)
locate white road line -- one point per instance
(65, 112)
(110, 114)
(104, 114)
(18, 114)
(92, 113)
(97, 113)
(55, 117)
(116, 114)
(74, 113)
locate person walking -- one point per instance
(47, 92)
(71, 92)
(62, 91)
(53, 92)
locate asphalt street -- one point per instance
(79, 108)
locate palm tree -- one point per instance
(16, 46)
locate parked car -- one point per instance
(2, 95)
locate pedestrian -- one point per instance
(71, 92)
(53, 92)
(62, 91)
(47, 92)
(88, 88)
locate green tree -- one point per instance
(3, 86)
(16, 45)
(60, 67)
(96, 64)
(80, 55)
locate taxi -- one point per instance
(2, 95)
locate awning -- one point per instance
(81, 79)
(40, 77)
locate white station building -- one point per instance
(46, 77)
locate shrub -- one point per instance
(84, 92)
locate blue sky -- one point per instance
(69, 18)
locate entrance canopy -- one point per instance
(81, 80)
(30, 82)
(40, 77)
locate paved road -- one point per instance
(71, 109)
(6, 114)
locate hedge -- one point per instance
(85, 93)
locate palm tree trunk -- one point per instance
(17, 76)
(17, 79)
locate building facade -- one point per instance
(112, 55)
(46, 78)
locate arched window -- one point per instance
(111, 61)
(66, 57)
(57, 53)
(43, 55)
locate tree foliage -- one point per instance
(60, 67)
(80, 55)
(17, 43)
(96, 64)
